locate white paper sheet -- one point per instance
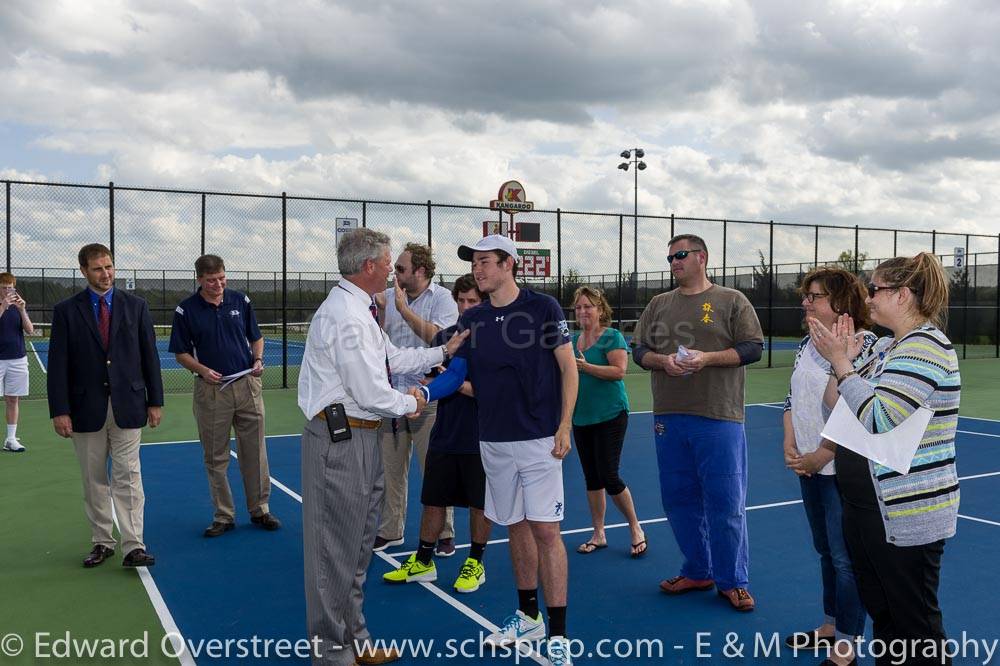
(894, 449)
(229, 379)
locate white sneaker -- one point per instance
(13, 445)
(515, 628)
(558, 651)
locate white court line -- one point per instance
(649, 521)
(38, 358)
(457, 605)
(979, 520)
(981, 434)
(978, 476)
(160, 606)
(196, 441)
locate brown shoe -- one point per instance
(217, 529)
(267, 521)
(683, 584)
(379, 656)
(138, 558)
(738, 598)
(98, 555)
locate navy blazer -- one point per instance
(81, 375)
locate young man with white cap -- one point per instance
(519, 355)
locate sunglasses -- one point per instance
(811, 296)
(679, 254)
(872, 290)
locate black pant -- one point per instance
(898, 587)
(600, 449)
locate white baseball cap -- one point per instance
(487, 243)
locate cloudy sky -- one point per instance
(871, 113)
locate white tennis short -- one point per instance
(523, 480)
(14, 376)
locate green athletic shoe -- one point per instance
(471, 576)
(412, 571)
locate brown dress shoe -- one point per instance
(267, 521)
(217, 529)
(98, 555)
(379, 656)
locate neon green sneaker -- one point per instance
(412, 571)
(471, 576)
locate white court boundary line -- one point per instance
(454, 603)
(980, 520)
(38, 358)
(160, 606)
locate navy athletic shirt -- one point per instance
(11, 334)
(510, 361)
(456, 426)
(218, 336)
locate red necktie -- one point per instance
(104, 322)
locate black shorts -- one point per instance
(453, 479)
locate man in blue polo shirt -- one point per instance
(520, 361)
(215, 336)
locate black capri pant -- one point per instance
(600, 449)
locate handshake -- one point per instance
(421, 402)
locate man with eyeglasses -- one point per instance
(415, 311)
(696, 340)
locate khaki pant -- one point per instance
(412, 435)
(92, 450)
(241, 406)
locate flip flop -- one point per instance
(589, 547)
(636, 553)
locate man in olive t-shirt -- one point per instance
(698, 419)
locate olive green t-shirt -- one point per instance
(714, 320)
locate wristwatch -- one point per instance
(444, 352)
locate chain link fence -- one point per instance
(281, 251)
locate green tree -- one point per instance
(846, 260)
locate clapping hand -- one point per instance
(838, 343)
(672, 366)
(581, 362)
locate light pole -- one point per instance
(639, 166)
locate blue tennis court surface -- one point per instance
(249, 582)
(272, 353)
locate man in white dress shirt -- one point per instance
(345, 363)
(413, 313)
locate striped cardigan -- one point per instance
(892, 382)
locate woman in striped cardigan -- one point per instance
(895, 524)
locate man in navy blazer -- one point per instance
(104, 384)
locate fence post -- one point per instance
(428, 223)
(895, 235)
(203, 223)
(965, 300)
(934, 241)
(724, 224)
(668, 249)
(8, 226)
(284, 290)
(816, 246)
(856, 249)
(364, 215)
(770, 293)
(559, 286)
(621, 232)
(111, 216)
(996, 333)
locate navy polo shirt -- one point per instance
(456, 426)
(218, 336)
(11, 334)
(513, 368)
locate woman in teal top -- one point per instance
(601, 415)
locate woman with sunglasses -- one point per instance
(895, 524)
(601, 416)
(827, 293)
